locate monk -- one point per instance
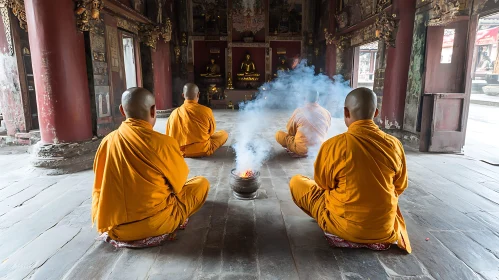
(307, 127)
(359, 176)
(193, 126)
(141, 188)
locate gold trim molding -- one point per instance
(87, 10)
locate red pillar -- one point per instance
(58, 58)
(162, 73)
(397, 67)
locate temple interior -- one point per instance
(432, 65)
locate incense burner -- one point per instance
(244, 188)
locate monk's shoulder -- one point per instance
(204, 110)
(160, 141)
(336, 143)
(395, 144)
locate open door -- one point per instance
(443, 121)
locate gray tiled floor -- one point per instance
(45, 230)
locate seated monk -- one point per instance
(359, 176)
(193, 126)
(141, 188)
(307, 127)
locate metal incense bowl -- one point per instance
(244, 188)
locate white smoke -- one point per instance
(287, 92)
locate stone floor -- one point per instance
(451, 208)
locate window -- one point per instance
(129, 58)
(447, 46)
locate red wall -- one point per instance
(293, 49)
(162, 75)
(202, 55)
(257, 55)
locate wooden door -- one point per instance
(443, 122)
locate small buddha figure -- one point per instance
(282, 66)
(248, 70)
(212, 70)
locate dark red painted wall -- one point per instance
(59, 67)
(162, 75)
(257, 55)
(202, 55)
(293, 48)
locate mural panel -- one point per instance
(209, 17)
(285, 17)
(248, 16)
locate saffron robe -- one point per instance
(359, 176)
(140, 187)
(193, 126)
(307, 127)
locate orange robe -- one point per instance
(307, 127)
(359, 176)
(140, 187)
(193, 126)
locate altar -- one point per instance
(236, 96)
(232, 56)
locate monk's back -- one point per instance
(191, 123)
(364, 204)
(314, 122)
(130, 178)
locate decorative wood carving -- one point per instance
(17, 8)
(385, 28)
(176, 50)
(382, 4)
(151, 33)
(128, 26)
(341, 42)
(87, 10)
(6, 23)
(443, 12)
(479, 7)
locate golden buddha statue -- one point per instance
(212, 70)
(282, 66)
(248, 70)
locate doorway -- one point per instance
(365, 59)
(483, 118)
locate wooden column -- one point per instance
(397, 66)
(331, 49)
(59, 67)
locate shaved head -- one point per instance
(191, 91)
(360, 104)
(312, 96)
(138, 103)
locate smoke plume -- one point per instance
(287, 92)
